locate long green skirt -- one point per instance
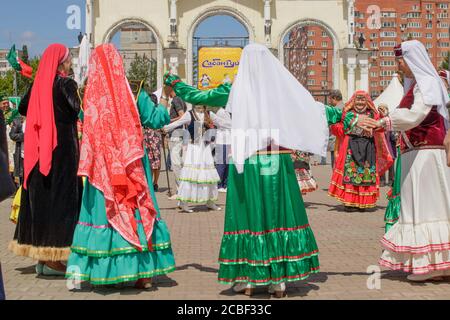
(267, 238)
(102, 256)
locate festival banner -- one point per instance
(217, 65)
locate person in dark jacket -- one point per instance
(51, 196)
(17, 135)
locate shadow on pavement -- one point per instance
(198, 267)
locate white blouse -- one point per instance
(403, 119)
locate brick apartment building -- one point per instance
(427, 21)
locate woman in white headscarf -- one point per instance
(267, 238)
(419, 243)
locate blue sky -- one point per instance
(38, 23)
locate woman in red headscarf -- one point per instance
(363, 157)
(120, 236)
(51, 199)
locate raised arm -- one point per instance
(23, 106)
(334, 115)
(151, 115)
(70, 92)
(217, 97)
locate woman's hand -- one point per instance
(447, 146)
(367, 123)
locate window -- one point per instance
(384, 83)
(429, 26)
(442, 15)
(388, 14)
(324, 83)
(387, 63)
(311, 33)
(311, 82)
(443, 5)
(443, 44)
(373, 74)
(388, 24)
(415, 34)
(429, 36)
(443, 25)
(428, 45)
(324, 34)
(414, 25)
(374, 84)
(324, 44)
(429, 6)
(387, 73)
(324, 54)
(441, 35)
(387, 53)
(429, 16)
(388, 34)
(373, 35)
(311, 73)
(311, 63)
(388, 44)
(412, 15)
(311, 43)
(311, 53)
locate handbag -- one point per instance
(7, 186)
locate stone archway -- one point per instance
(159, 48)
(331, 33)
(200, 18)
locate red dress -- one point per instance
(361, 161)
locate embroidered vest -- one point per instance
(429, 134)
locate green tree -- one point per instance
(445, 63)
(143, 68)
(23, 84)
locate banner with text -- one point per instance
(217, 66)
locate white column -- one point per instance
(267, 22)
(364, 68)
(351, 67)
(173, 21)
(351, 23)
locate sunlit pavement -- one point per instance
(348, 243)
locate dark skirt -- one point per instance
(50, 206)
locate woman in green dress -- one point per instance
(267, 238)
(120, 236)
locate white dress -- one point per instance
(198, 176)
(420, 241)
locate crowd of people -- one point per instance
(88, 165)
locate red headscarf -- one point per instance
(40, 132)
(112, 146)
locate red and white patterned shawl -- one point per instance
(112, 146)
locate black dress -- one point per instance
(50, 207)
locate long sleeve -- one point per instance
(16, 133)
(407, 119)
(217, 97)
(334, 115)
(220, 120)
(23, 106)
(151, 115)
(184, 120)
(70, 92)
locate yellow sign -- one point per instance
(217, 66)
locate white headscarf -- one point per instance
(269, 105)
(427, 78)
